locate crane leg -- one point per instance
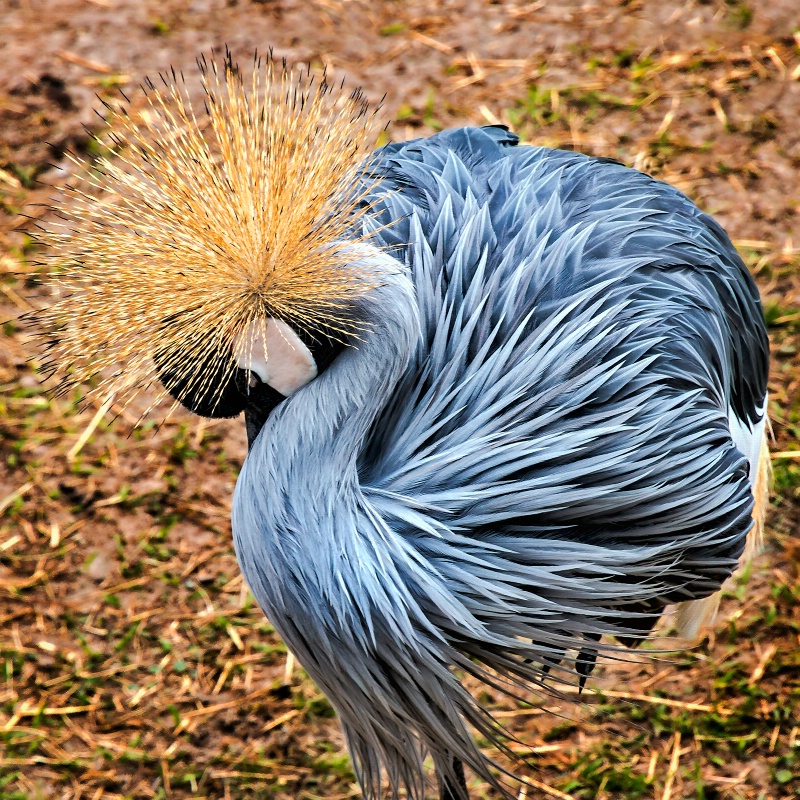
(458, 790)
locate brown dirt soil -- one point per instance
(133, 663)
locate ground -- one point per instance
(133, 662)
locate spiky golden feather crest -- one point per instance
(202, 223)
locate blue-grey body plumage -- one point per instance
(529, 447)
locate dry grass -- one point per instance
(133, 663)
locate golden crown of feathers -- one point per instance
(196, 224)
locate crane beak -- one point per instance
(262, 401)
(271, 351)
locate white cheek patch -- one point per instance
(274, 352)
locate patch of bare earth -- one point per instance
(133, 663)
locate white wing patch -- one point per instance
(748, 440)
(694, 615)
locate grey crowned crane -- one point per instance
(501, 401)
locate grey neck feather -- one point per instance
(324, 424)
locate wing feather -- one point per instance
(585, 332)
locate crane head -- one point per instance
(269, 362)
(211, 251)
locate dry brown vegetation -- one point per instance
(133, 663)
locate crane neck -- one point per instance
(343, 589)
(298, 504)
